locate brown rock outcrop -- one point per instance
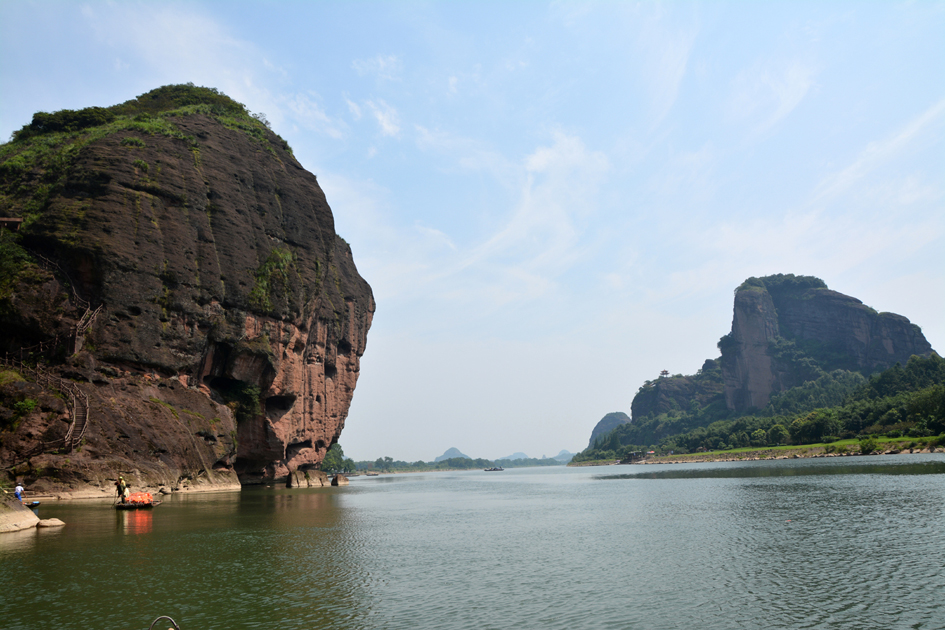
(308, 479)
(785, 326)
(15, 517)
(211, 256)
(679, 392)
(747, 373)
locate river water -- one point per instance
(812, 543)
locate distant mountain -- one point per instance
(607, 424)
(450, 454)
(564, 456)
(514, 456)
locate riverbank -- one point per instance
(844, 448)
(107, 494)
(796, 452)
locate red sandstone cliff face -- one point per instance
(748, 375)
(215, 263)
(837, 330)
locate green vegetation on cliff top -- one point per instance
(36, 161)
(782, 283)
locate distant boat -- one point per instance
(494, 469)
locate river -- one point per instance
(811, 543)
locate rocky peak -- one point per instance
(785, 326)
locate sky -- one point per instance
(553, 201)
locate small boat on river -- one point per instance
(137, 506)
(494, 469)
(137, 501)
(31, 504)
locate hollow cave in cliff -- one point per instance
(276, 404)
(294, 449)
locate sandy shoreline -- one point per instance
(109, 496)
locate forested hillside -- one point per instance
(899, 401)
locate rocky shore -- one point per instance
(14, 516)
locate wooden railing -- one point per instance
(77, 401)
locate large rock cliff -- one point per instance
(177, 263)
(786, 327)
(792, 336)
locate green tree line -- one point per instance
(387, 464)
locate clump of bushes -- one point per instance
(64, 120)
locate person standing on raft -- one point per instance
(122, 488)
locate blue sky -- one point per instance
(554, 201)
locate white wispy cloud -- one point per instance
(667, 57)
(541, 238)
(310, 115)
(878, 152)
(535, 238)
(471, 154)
(354, 108)
(768, 92)
(386, 117)
(387, 67)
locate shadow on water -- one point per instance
(749, 470)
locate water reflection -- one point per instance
(135, 521)
(20, 541)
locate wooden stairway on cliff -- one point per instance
(88, 316)
(77, 401)
(80, 417)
